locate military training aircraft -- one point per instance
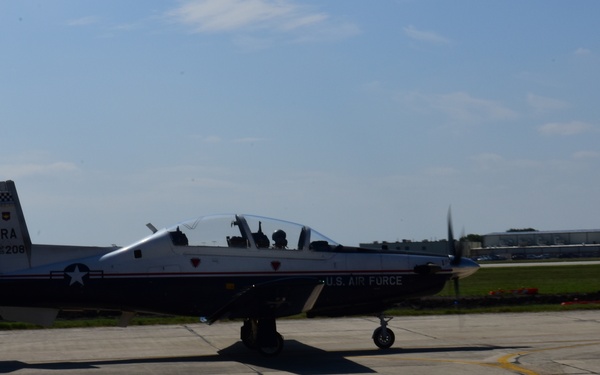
(216, 267)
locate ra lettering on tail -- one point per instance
(15, 243)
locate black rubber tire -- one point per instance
(383, 342)
(272, 351)
(247, 338)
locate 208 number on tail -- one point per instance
(11, 250)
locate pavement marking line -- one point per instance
(505, 363)
(505, 360)
(504, 366)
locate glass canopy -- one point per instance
(248, 231)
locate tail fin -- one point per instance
(15, 243)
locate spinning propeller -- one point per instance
(456, 250)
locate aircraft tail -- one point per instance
(15, 243)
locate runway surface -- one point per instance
(529, 344)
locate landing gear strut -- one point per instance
(262, 335)
(384, 337)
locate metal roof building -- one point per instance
(542, 238)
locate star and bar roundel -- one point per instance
(77, 274)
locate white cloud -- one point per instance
(425, 36)
(328, 32)
(441, 171)
(248, 140)
(541, 104)
(126, 27)
(493, 161)
(582, 51)
(17, 171)
(228, 15)
(83, 21)
(212, 139)
(459, 106)
(586, 155)
(279, 16)
(463, 106)
(565, 128)
(302, 21)
(488, 160)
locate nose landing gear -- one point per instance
(383, 337)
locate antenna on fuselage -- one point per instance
(152, 227)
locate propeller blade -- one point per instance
(455, 249)
(456, 292)
(450, 232)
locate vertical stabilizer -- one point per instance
(15, 243)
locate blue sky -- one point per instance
(365, 120)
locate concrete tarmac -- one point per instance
(528, 343)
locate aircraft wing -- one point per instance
(272, 299)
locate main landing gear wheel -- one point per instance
(384, 337)
(248, 334)
(272, 351)
(262, 335)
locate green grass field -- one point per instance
(548, 280)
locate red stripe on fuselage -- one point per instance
(217, 274)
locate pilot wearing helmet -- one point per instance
(279, 239)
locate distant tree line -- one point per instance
(521, 230)
(472, 238)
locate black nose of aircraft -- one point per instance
(461, 267)
(464, 267)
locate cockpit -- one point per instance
(248, 231)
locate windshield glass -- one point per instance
(244, 230)
(319, 242)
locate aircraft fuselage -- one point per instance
(154, 275)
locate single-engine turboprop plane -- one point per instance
(216, 267)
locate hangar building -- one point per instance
(542, 238)
(541, 244)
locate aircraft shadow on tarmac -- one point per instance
(297, 358)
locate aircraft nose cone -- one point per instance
(466, 267)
